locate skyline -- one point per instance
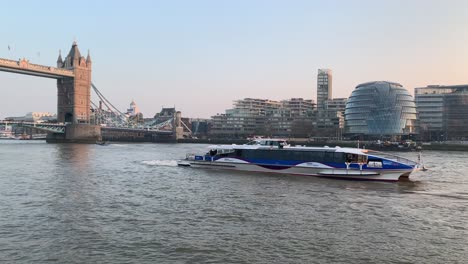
(208, 54)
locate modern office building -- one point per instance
(336, 104)
(335, 114)
(293, 119)
(263, 117)
(296, 107)
(324, 87)
(256, 107)
(380, 110)
(443, 112)
(247, 117)
(329, 120)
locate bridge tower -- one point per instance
(74, 94)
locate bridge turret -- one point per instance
(74, 94)
(88, 60)
(73, 57)
(59, 60)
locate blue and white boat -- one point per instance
(276, 156)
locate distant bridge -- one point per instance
(79, 119)
(165, 128)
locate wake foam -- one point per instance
(456, 195)
(119, 145)
(166, 163)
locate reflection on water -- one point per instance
(75, 157)
(130, 203)
(75, 180)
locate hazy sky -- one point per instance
(202, 55)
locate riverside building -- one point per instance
(380, 110)
(324, 87)
(329, 119)
(443, 112)
(263, 117)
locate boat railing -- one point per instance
(394, 158)
(190, 155)
(403, 161)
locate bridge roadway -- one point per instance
(48, 127)
(24, 67)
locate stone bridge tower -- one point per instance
(74, 94)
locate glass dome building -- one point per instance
(380, 109)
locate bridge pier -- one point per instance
(177, 126)
(76, 133)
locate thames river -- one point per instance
(130, 203)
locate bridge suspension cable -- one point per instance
(104, 99)
(112, 116)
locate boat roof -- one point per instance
(298, 148)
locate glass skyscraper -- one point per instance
(324, 88)
(380, 109)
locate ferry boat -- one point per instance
(276, 156)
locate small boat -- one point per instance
(276, 156)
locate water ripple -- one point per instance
(130, 203)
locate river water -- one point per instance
(130, 203)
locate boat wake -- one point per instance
(165, 163)
(456, 195)
(119, 145)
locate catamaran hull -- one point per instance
(352, 174)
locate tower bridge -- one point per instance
(73, 75)
(74, 106)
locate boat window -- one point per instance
(339, 157)
(309, 156)
(362, 159)
(317, 156)
(355, 158)
(221, 152)
(228, 154)
(329, 156)
(290, 155)
(238, 153)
